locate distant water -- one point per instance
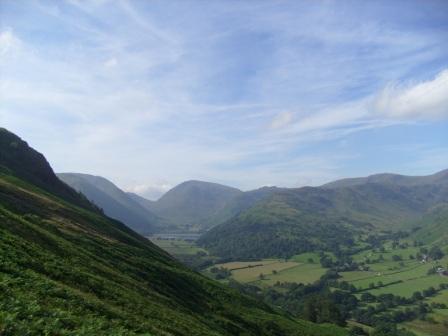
(182, 236)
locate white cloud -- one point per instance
(150, 191)
(9, 42)
(425, 100)
(281, 120)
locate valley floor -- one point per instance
(391, 270)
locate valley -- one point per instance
(384, 281)
(223, 168)
(371, 250)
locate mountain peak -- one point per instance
(19, 159)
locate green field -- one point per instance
(413, 276)
(301, 273)
(297, 269)
(178, 247)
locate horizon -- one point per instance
(244, 95)
(259, 187)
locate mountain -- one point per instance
(31, 166)
(192, 205)
(67, 269)
(115, 202)
(433, 227)
(291, 221)
(146, 203)
(395, 179)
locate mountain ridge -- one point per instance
(114, 202)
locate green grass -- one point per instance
(424, 328)
(302, 273)
(178, 247)
(297, 269)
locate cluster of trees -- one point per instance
(220, 273)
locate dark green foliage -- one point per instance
(273, 229)
(290, 221)
(390, 329)
(357, 331)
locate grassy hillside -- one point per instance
(395, 179)
(292, 221)
(433, 228)
(68, 270)
(19, 158)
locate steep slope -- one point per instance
(192, 204)
(146, 203)
(66, 270)
(115, 202)
(291, 221)
(17, 158)
(433, 227)
(240, 203)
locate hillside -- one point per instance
(192, 205)
(433, 227)
(68, 270)
(18, 158)
(115, 202)
(291, 221)
(395, 179)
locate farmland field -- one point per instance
(178, 247)
(298, 269)
(413, 277)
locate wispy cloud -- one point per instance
(424, 100)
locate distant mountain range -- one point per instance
(67, 269)
(274, 221)
(190, 206)
(284, 222)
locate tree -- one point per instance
(417, 296)
(357, 331)
(435, 253)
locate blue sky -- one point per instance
(245, 93)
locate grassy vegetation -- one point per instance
(65, 270)
(178, 247)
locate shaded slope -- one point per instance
(146, 203)
(192, 204)
(17, 158)
(115, 202)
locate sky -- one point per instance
(245, 93)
